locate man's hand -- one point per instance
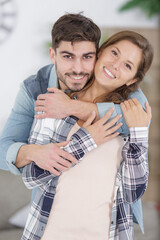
(134, 114)
(101, 131)
(55, 104)
(49, 157)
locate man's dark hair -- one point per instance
(75, 28)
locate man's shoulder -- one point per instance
(42, 74)
(38, 83)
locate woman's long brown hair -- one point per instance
(120, 94)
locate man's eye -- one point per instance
(67, 56)
(128, 66)
(87, 57)
(114, 52)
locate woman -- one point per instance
(122, 63)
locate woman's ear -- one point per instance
(52, 54)
(131, 81)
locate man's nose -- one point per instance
(77, 66)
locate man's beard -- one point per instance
(75, 86)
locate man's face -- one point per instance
(74, 63)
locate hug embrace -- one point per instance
(87, 150)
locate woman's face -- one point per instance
(117, 65)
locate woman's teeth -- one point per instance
(109, 73)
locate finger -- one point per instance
(67, 156)
(123, 107)
(40, 116)
(111, 136)
(58, 166)
(53, 90)
(90, 119)
(54, 171)
(107, 116)
(63, 144)
(148, 110)
(40, 102)
(113, 121)
(41, 97)
(136, 102)
(127, 105)
(131, 103)
(113, 129)
(39, 109)
(63, 162)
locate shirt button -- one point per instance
(125, 139)
(112, 222)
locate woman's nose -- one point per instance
(116, 64)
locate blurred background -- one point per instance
(25, 27)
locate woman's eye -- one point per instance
(128, 66)
(114, 52)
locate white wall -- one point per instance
(25, 50)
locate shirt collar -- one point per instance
(53, 81)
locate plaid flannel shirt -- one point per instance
(130, 184)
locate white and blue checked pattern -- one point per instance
(130, 185)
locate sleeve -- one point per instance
(135, 170)
(32, 175)
(104, 107)
(81, 143)
(16, 130)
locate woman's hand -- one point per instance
(101, 131)
(134, 114)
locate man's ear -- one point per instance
(131, 81)
(52, 54)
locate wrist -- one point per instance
(73, 108)
(25, 155)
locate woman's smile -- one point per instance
(109, 73)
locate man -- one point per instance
(75, 40)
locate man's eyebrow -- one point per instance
(84, 54)
(66, 52)
(89, 53)
(127, 60)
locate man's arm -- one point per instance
(59, 105)
(34, 176)
(16, 131)
(81, 142)
(15, 153)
